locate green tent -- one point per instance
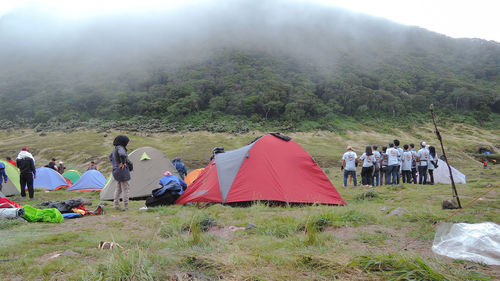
(72, 175)
(12, 187)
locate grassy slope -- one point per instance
(288, 244)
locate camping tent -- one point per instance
(72, 175)
(442, 174)
(91, 180)
(48, 179)
(12, 186)
(189, 179)
(272, 168)
(149, 166)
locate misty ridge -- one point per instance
(345, 57)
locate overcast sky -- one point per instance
(455, 18)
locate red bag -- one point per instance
(6, 203)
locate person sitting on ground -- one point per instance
(180, 167)
(11, 161)
(3, 175)
(52, 164)
(171, 187)
(92, 166)
(61, 167)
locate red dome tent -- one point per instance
(272, 168)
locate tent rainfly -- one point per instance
(91, 180)
(271, 168)
(49, 179)
(12, 186)
(149, 166)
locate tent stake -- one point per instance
(455, 194)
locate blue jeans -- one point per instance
(376, 175)
(347, 173)
(392, 174)
(422, 174)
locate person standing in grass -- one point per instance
(406, 162)
(376, 166)
(400, 150)
(413, 163)
(432, 163)
(27, 172)
(369, 161)
(180, 167)
(383, 166)
(392, 164)
(3, 175)
(349, 160)
(121, 171)
(422, 160)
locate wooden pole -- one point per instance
(455, 194)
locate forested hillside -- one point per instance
(276, 63)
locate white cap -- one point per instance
(423, 143)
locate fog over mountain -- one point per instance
(44, 52)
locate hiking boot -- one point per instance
(99, 210)
(125, 209)
(116, 207)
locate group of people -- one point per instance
(393, 163)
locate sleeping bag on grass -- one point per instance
(46, 215)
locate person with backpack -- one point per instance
(3, 175)
(121, 171)
(406, 162)
(180, 167)
(376, 167)
(368, 166)
(383, 166)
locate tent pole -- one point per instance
(455, 194)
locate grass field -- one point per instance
(359, 241)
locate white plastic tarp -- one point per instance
(478, 242)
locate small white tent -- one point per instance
(442, 174)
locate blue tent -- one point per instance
(91, 180)
(49, 179)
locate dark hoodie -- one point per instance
(119, 155)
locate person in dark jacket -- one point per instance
(180, 167)
(52, 164)
(171, 187)
(26, 164)
(3, 175)
(121, 170)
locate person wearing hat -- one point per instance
(422, 162)
(26, 164)
(61, 167)
(121, 171)
(349, 160)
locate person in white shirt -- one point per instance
(414, 163)
(422, 162)
(400, 150)
(376, 167)
(406, 162)
(369, 162)
(392, 164)
(349, 160)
